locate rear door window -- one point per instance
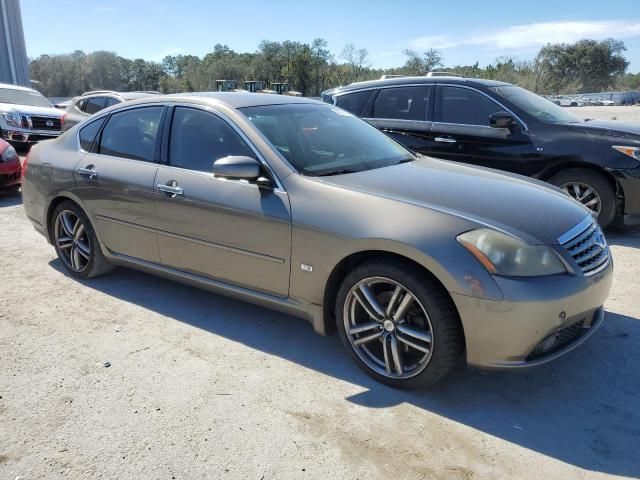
(404, 103)
(354, 102)
(466, 107)
(94, 104)
(131, 134)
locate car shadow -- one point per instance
(583, 410)
(624, 236)
(10, 198)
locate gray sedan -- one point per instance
(296, 205)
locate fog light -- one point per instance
(549, 342)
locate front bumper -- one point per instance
(10, 173)
(24, 136)
(509, 334)
(629, 181)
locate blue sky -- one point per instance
(464, 31)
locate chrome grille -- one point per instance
(587, 246)
(45, 123)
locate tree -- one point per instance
(320, 58)
(584, 66)
(418, 64)
(356, 59)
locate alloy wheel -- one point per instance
(72, 241)
(388, 327)
(585, 194)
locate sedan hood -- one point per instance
(612, 128)
(526, 208)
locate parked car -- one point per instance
(498, 125)
(10, 167)
(26, 116)
(88, 103)
(300, 206)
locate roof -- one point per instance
(124, 95)
(235, 99)
(16, 87)
(136, 95)
(399, 81)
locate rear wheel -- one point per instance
(398, 324)
(590, 189)
(76, 243)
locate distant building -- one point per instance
(14, 65)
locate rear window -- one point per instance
(94, 104)
(88, 134)
(354, 102)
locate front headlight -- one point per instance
(633, 152)
(503, 254)
(12, 119)
(9, 154)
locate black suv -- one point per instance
(499, 125)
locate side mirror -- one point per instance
(502, 120)
(237, 168)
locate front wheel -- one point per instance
(591, 189)
(398, 324)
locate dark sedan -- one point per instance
(498, 125)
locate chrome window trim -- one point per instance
(277, 189)
(102, 113)
(207, 108)
(238, 130)
(517, 117)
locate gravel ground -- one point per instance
(202, 386)
(630, 113)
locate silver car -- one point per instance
(296, 205)
(89, 103)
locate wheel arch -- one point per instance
(617, 188)
(53, 204)
(347, 264)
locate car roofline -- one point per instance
(233, 100)
(414, 80)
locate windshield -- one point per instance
(324, 140)
(23, 97)
(535, 105)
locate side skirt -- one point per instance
(310, 312)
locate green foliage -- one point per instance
(587, 65)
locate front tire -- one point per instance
(590, 189)
(76, 243)
(398, 324)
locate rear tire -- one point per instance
(430, 323)
(76, 243)
(576, 182)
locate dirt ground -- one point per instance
(627, 113)
(128, 376)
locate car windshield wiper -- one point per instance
(408, 160)
(335, 172)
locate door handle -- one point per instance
(445, 140)
(171, 188)
(89, 171)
